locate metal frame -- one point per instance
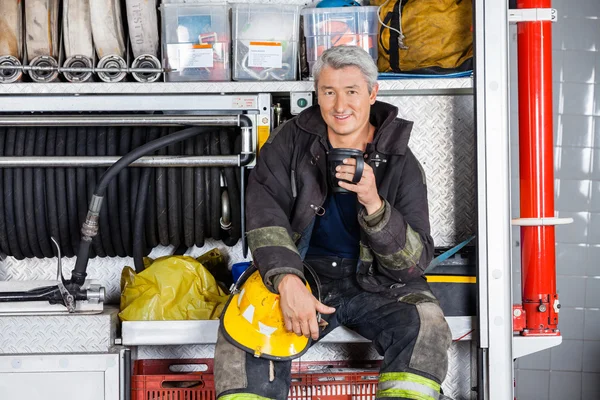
(493, 177)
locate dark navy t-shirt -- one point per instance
(337, 232)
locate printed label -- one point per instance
(265, 55)
(183, 56)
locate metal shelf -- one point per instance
(153, 333)
(405, 86)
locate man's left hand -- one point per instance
(365, 189)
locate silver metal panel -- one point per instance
(139, 333)
(443, 139)
(107, 271)
(457, 384)
(61, 376)
(494, 197)
(58, 333)
(414, 86)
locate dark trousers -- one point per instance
(410, 333)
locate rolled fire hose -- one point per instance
(107, 32)
(41, 28)
(143, 35)
(77, 38)
(11, 39)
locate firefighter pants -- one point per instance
(410, 333)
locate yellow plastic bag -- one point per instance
(171, 288)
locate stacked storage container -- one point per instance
(196, 42)
(340, 26)
(265, 41)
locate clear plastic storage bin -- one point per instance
(340, 26)
(196, 42)
(265, 41)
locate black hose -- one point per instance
(4, 247)
(188, 197)
(207, 193)
(215, 189)
(29, 198)
(125, 217)
(104, 222)
(80, 173)
(9, 210)
(112, 196)
(199, 196)
(40, 196)
(151, 226)
(162, 216)
(79, 272)
(61, 195)
(19, 200)
(137, 139)
(90, 175)
(139, 243)
(74, 225)
(51, 190)
(231, 237)
(174, 198)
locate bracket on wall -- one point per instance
(532, 14)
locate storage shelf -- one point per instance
(150, 333)
(405, 86)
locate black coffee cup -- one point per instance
(336, 157)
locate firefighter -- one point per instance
(368, 245)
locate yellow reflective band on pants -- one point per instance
(243, 396)
(408, 386)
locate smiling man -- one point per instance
(368, 246)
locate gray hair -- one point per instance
(339, 57)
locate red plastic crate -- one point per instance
(160, 380)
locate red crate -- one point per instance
(173, 380)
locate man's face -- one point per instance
(344, 99)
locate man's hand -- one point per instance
(300, 307)
(365, 189)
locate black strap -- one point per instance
(394, 37)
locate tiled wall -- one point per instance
(570, 371)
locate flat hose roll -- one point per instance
(77, 28)
(11, 27)
(107, 28)
(32, 235)
(104, 220)
(18, 196)
(41, 26)
(9, 210)
(40, 196)
(61, 195)
(4, 247)
(231, 237)
(215, 188)
(142, 21)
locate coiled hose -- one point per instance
(143, 207)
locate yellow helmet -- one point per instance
(253, 321)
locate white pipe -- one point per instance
(143, 27)
(11, 28)
(77, 29)
(107, 27)
(41, 28)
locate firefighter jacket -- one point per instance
(288, 187)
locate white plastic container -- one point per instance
(265, 41)
(340, 26)
(196, 42)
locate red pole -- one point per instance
(540, 300)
